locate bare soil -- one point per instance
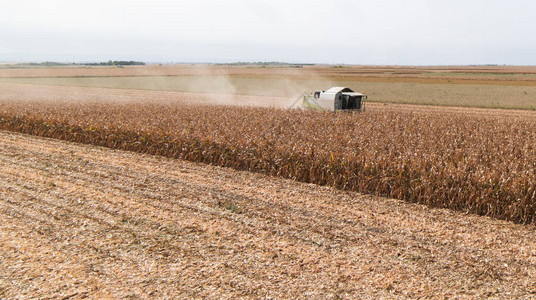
(83, 221)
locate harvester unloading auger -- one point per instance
(333, 99)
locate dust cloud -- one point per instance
(250, 86)
(206, 84)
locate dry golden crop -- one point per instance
(482, 163)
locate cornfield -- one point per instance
(483, 163)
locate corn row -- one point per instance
(479, 163)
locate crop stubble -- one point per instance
(86, 221)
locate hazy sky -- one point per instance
(412, 32)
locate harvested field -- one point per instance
(479, 73)
(84, 221)
(492, 87)
(394, 91)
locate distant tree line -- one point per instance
(108, 63)
(117, 63)
(44, 64)
(266, 64)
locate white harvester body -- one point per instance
(333, 99)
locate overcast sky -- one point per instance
(412, 32)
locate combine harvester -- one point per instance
(333, 99)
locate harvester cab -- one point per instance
(333, 99)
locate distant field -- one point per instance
(458, 72)
(395, 90)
